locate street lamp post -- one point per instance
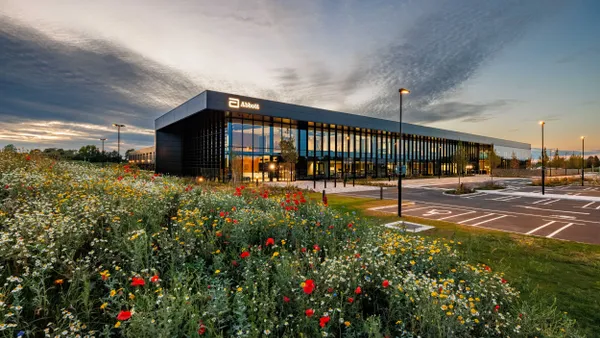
(119, 126)
(582, 159)
(402, 91)
(103, 139)
(542, 123)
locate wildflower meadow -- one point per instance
(97, 251)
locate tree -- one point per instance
(493, 162)
(574, 161)
(88, 153)
(10, 148)
(596, 161)
(528, 163)
(461, 159)
(557, 160)
(514, 161)
(288, 152)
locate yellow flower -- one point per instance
(283, 242)
(239, 289)
(451, 306)
(434, 294)
(131, 296)
(347, 323)
(302, 284)
(398, 322)
(113, 293)
(444, 307)
(117, 325)
(449, 313)
(473, 311)
(412, 263)
(103, 306)
(476, 321)
(275, 254)
(217, 272)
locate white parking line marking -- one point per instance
(553, 210)
(472, 219)
(539, 228)
(465, 213)
(415, 209)
(550, 202)
(559, 230)
(475, 195)
(587, 205)
(536, 202)
(489, 220)
(598, 207)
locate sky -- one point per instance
(69, 69)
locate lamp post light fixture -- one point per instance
(542, 123)
(402, 91)
(582, 159)
(119, 126)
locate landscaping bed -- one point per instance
(115, 251)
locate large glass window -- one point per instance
(236, 133)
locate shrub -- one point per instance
(114, 251)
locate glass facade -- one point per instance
(250, 147)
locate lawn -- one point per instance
(550, 271)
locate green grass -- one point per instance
(547, 270)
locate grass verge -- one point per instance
(547, 270)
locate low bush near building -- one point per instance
(90, 251)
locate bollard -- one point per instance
(345, 182)
(314, 185)
(324, 197)
(257, 182)
(325, 182)
(335, 181)
(380, 193)
(353, 180)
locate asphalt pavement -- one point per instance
(560, 218)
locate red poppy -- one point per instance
(496, 308)
(286, 299)
(349, 225)
(154, 279)
(309, 286)
(270, 241)
(385, 283)
(202, 328)
(309, 312)
(234, 263)
(27, 158)
(330, 290)
(357, 255)
(124, 315)
(120, 178)
(303, 249)
(358, 290)
(222, 214)
(316, 247)
(245, 254)
(137, 281)
(504, 281)
(487, 268)
(323, 321)
(350, 300)
(219, 233)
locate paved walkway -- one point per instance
(320, 186)
(423, 182)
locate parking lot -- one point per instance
(560, 218)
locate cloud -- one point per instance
(466, 112)
(58, 67)
(93, 81)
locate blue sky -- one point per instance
(70, 68)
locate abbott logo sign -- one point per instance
(237, 104)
